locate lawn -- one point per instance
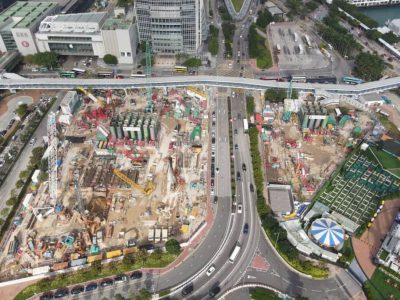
(259, 49)
(393, 130)
(237, 4)
(388, 161)
(262, 294)
(385, 285)
(384, 254)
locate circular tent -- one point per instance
(327, 233)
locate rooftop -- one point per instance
(81, 18)
(280, 198)
(77, 23)
(24, 14)
(112, 24)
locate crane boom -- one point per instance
(90, 95)
(147, 190)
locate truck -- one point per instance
(234, 253)
(245, 126)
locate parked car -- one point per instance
(136, 275)
(61, 293)
(106, 282)
(215, 199)
(251, 188)
(91, 287)
(77, 290)
(187, 289)
(239, 208)
(121, 278)
(47, 296)
(32, 142)
(244, 168)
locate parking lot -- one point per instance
(296, 49)
(355, 193)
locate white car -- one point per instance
(212, 154)
(32, 142)
(210, 270)
(212, 191)
(239, 208)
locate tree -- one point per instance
(110, 59)
(373, 34)
(264, 18)
(142, 295)
(21, 110)
(4, 212)
(119, 297)
(124, 3)
(192, 62)
(368, 66)
(142, 256)
(129, 259)
(45, 59)
(391, 38)
(173, 246)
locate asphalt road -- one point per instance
(22, 162)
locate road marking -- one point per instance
(251, 277)
(318, 291)
(285, 280)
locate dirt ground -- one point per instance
(35, 94)
(368, 245)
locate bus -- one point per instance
(67, 74)
(352, 80)
(137, 75)
(234, 253)
(78, 71)
(302, 79)
(180, 69)
(105, 74)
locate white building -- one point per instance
(373, 2)
(18, 24)
(88, 34)
(394, 25)
(172, 26)
(68, 103)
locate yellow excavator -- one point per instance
(147, 190)
(90, 95)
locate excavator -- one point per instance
(147, 190)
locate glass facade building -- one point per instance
(172, 26)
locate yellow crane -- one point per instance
(90, 95)
(147, 190)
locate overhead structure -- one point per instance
(327, 233)
(290, 90)
(91, 96)
(52, 162)
(148, 190)
(149, 107)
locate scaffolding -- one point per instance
(52, 163)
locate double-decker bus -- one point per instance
(105, 74)
(180, 69)
(302, 79)
(352, 80)
(79, 71)
(67, 74)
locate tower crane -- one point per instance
(147, 190)
(90, 95)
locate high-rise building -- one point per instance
(18, 24)
(373, 2)
(172, 26)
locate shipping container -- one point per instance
(60, 266)
(115, 253)
(94, 258)
(40, 270)
(78, 262)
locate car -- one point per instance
(14, 137)
(32, 142)
(233, 208)
(61, 293)
(148, 247)
(217, 170)
(77, 290)
(91, 287)
(131, 243)
(239, 208)
(136, 275)
(213, 123)
(244, 167)
(47, 296)
(210, 270)
(121, 278)
(212, 182)
(212, 153)
(235, 131)
(2, 163)
(212, 159)
(239, 116)
(212, 191)
(187, 289)
(236, 146)
(106, 282)
(251, 188)
(215, 199)
(246, 228)
(238, 176)
(214, 291)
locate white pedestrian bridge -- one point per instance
(201, 80)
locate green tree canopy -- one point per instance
(173, 246)
(391, 38)
(373, 34)
(264, 18)
(44, 59)
(21, 110)
(124, 3)
(110, 59)
(192, 62)
(368, 66)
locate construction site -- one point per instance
(304, 141)
(125, 169)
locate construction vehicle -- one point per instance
(90, 95)
(147, 190)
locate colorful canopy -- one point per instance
(327, 232)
